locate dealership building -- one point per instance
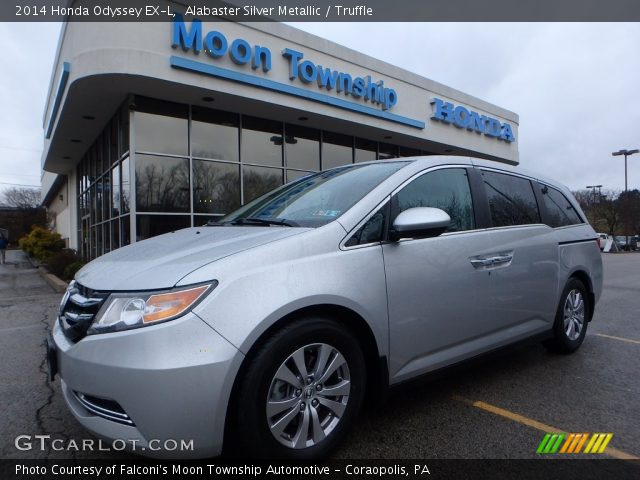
(153, 127)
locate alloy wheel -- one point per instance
(308, 396)
(574, 314)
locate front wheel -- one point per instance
(572, 318)
(301, 392)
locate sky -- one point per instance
(575, 86)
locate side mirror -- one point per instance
(420, 222)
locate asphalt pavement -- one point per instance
(496, 407)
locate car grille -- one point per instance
(78, 309)
(104, 408)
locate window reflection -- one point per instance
(125, 186)
(115, 191)
(162, 184)
(302, 147)
(259, 180)
(151, 225)
(295, 174)
(337, 150)
(216, 187)
(366, 150)
(386, 151)
(214, 134)
(261, 142)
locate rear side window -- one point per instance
(560, 212)
(446, 189)
(511, 200)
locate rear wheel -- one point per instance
(572, 318)
(301, 392)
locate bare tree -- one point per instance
(21, 197)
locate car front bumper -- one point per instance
(162, 390)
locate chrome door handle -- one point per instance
(494, 260)
(481, 262)
(498, 259)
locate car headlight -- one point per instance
(123, 311)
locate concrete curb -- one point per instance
(60, 286)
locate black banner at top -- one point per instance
(322, 10)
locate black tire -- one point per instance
(561, 342)
(252, 435)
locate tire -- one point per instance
(314, 421)
(572, 318)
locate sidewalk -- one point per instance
(19, 278)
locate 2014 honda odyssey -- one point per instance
(267, 330)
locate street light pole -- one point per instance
(626, 154)
(593, 187)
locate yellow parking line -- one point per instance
(610, 451)
(622, 339)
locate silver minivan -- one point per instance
(266, 331)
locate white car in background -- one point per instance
(602, 240)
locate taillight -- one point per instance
(598, 243)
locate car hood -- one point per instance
(160, 262)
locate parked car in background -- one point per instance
(268, 329)
(602, 239)
(621, 242)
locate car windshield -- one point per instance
(314, 200)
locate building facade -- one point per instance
(152, 127)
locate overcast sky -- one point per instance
(576, 87)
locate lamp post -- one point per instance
(593, 187)
(626, 153)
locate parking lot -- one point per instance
(498, 407)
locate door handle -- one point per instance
(491, 261)
(481, 262)
(504, 258)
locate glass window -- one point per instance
(560, 212)
(257, 181)
(151, 225)
(115, 191)
(161, 127)
(320, 198)
(124, 130)
(114, 148)
(446, 189)
(371, 231)
(366, 150)
(409, 152)
(92, 203)
(107, 236)
(106, 196)
(261, 142)
(387, 151)
(511, 199)
(125, 188)
(99, 244)
(214, 134)
(162, 184)
(201, 220)
(125, 231)
(337, 150)
(216, 187)
(115, 234)
(296, 174)
(302, 147)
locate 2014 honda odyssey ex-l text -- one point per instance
(267, 330)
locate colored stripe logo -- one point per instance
(573, 443)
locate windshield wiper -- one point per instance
(263, 221)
